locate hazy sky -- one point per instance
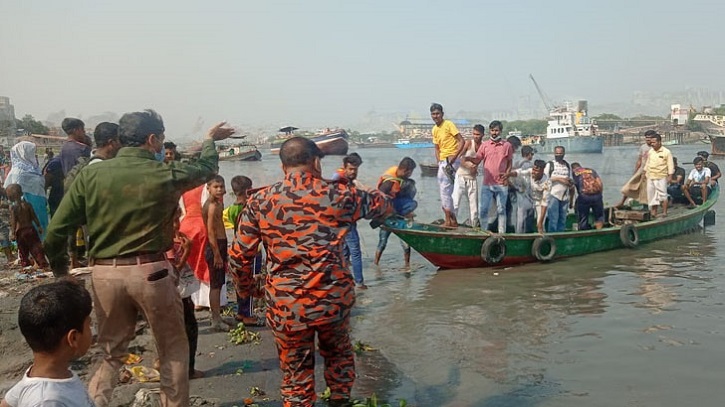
(328, 63)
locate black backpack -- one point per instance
(551, 167)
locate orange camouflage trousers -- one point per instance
(296, 351)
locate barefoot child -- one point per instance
(245, 287)
(216, 248)
(22, 220)
(188, 284)
(55, 320)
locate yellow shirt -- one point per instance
(660, 164)
(445, 138)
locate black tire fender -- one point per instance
(629, 235)
(493, 249)
(541, 243)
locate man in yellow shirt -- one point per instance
(448, 148)
(659, 169)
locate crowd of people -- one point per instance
(152, 228)
(535, 196)
(153, 232)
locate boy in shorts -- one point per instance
(23, 224)
(216, 249)
(55, 320)
(245, 287)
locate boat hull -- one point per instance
(717, 143)
(374, 145)
(330, 144)
(413, 145)
(462, 248)
(573, 145)
(253, 155)
(335, 146)
(428, 170)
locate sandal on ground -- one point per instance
(196, 374)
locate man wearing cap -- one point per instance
(301, 221)
(715, 173)
(129, 204)
(659, 170)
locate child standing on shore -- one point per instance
(55, 320)
(22, 221)
(188, 284)
(216, 248)
(245, 287)
(5, 226)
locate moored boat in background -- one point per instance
(429, 170)
(239, 152)
(572, 129)
(330, 141)
(714, 126)
(414, 143)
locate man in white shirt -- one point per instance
(697, 182)
(466, 183)
(559, 173)
(536, 188)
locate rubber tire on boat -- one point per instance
(493, 249)
(540, 243)
(629, 235)
(709, 218)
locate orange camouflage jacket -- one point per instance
(302, 222)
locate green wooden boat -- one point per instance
(468, 247)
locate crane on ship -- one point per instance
(544, 99)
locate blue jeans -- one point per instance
(353, 253)
(383, 241)
(245, 306)
(525, 214)
(501, 193)
(556, 212)
(404, 205)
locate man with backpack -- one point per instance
(562, 192)
(589, 196)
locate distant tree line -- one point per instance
(27, 123)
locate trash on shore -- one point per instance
(151, 397)
(132, 359)
(359, 347)
(241, 335)
(141, 374)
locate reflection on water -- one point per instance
(640, 327)
(549, 335)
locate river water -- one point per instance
(640, 327)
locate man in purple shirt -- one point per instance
(497, 155)
(77, 144)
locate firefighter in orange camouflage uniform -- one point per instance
(302, 221)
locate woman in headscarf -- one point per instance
(26, 172)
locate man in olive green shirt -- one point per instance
(128, 204)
